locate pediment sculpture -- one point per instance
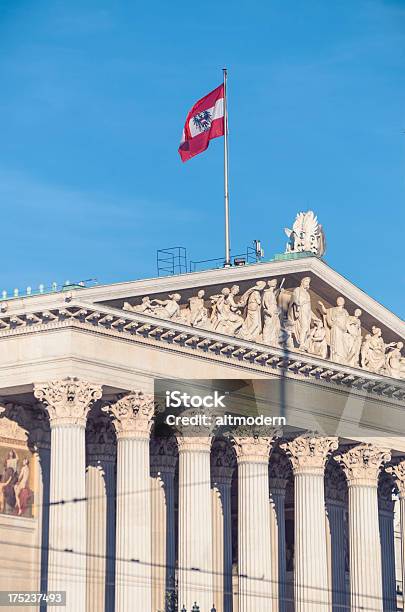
(306, 235)
(268, 313)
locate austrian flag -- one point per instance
(204, 122)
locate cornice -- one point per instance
(150, 331)
(312, 265)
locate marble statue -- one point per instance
(196, 314)
(226, 317)
(252, 300)
(335, 320)
(300, 313)
(271, 314)
(317, 344)
(167, 309)
(354, 338)
(306, 235)
(373, 351)
(145, 307)
(394, 362)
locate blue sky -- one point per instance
(93, 97)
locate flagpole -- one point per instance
(227, 262)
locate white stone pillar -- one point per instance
(398, 471)
(386, 520)
(163, 465)
(67, 402)
(100, 496)
(222, 467)
(132, 417)
(254, 541)
(308, 454)
(278, 477)
(361, 465)
(195, 523)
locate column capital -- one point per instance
(308, 452)
(254, 446)
(100, 438)
(132, 414)
(223, 462)
(362, 464)
(279, 471)
(335, 485)
(163, 455)
(193, 443)
(398, 472)
(67, 400)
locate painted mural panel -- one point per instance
(16, 480)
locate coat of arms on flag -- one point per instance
(204, 122)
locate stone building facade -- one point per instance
(96, 502)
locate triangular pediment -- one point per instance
(241, 303)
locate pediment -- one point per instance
(242, 303)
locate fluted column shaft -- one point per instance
(254, 540)
(133, 545)
(195, 523)
(308, 454)
(132, 417)
(361, 465)
(277, 535)
(67, 402)
(163, 463)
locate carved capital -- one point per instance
(385, 490)
(223, 462)
(398, 472)
(200, 444)
(362, 464)
(132, 414)
(163, 455)
(279, 471)
(335, 484)
(308, 453)
(67, 400)
(100, 438)
(254, 448)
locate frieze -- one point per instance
(267, 313)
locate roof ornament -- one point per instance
(306, 235)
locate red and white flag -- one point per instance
(204, 122)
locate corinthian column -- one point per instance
(398, 471)
(278, 477)
(222, 467)
(132, 418)
(308, 454)
(67, 402)
(100, 495)
(163, 465)
(256, 593)
(362, 465)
